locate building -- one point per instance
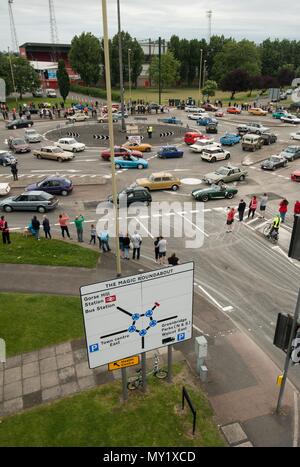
(150, 48)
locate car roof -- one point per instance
(50, 147)
(35, 192)
(162, 174)
(66, 139)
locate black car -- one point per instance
(269, 138)
(6, 158)
(134, 195)
(19, 123)
(212, 128)
(273, 163)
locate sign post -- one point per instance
(2, 90)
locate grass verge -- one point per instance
(32, 321)
(27, 250)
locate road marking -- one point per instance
(253, 220)
(210, 297)
(296, 420)
(200, 330)
(261, 225)
(194, 225)
(175, 193)
(146, 230)
(227, 308)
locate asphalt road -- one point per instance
(241, 273)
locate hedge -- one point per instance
(93, 92)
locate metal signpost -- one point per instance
(2, 90)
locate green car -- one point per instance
(279, 113)
(214, 192)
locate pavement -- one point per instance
(241, 383)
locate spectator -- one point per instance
(230, 219)
(35, 223)
(241, 210)
(263, 205)
(63, 219)
(5, 230)
(162, 250)
(14, 171)
(173, 260)
(283, 207)
(297, 208)
(93, 234)
(156, 249)
(79, 220)
(126, 243)
(46, 227)
(252, 206)
(104, 238)
(136, 242)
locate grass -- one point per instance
(32, 321)
(27, 250)
(98, 418)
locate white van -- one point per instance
(51, 93)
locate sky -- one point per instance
(254, 20)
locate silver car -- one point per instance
(32, 136)
(39, 201)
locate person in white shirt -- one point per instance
(136, 243)
(162, 250)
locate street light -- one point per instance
(204, 73)
(129, 73)
(121, 67)
(200, 73)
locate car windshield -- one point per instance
(72, 141)
(290, 150)
(133, 158)
(273, 159)
(222, 171)
(31, 132)
(18, 141)
(216, 187)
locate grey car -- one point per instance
(39, 201)
(226, 174)
(31, 136)
(291, 153)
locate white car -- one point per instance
(191, 109)
(295, 135)
(197, 115)
(201, 145)
(214, 154)
(70, 144)
(290, 119)
(4, 189)
(78, 117)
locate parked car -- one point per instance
(230, 139)
(214, 192)
(206, 120)
(233, 110)
(214, 154)
(128, 161)
(295, 176)
(291, 153)
(160, 181)
(120, 151)
(70, 144)
(133, 146)
(169, 152)
(203, 144)
(104, 118)
(290, 119)
(6, 158)
(18, 145)
(31, 136)
(295, 135)
(219, 113)
(274, 162)
(269, 138)
(19, 123)
(132, 195)
(211, 128)
(252, 127)
(209, 107)
(53, 153)
(257, 111)
(279, 113)
(252, 142)
(78, 117)
(53, 185)
(51, 93)
(38, 93)
(226, 174)
(4, 189)
(191, 137)
(29, 201)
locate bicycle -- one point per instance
(267, 233)
(158, 372)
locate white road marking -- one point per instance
(296, 420)
(261, 225)
(194, 225)
(253, 220)
(146, 230)
(200, 330)
(227, 308)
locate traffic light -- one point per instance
(294, 251)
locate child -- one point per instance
(93, 234)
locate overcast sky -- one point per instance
(255, 20)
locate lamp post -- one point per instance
(200, 74)
(121, 68)
(204, 73)
(129, 73)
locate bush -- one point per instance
(94, 92)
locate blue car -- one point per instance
(230, 139)
(81, 107)
(173, 120)
(169, 152)
(206, 120)
(131, 162)
(52, 185)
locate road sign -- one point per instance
(73, 135)
(130, 315)
(100, 137)
(166, 133)
(274, 94)
(135, 139)
(124, 363)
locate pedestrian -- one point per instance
(126, 242)
(14, 171)
(241, 210)
(78, 221)
(156, 249)
(173, 260)
(5, 230)
(162, 250)
(35, 223)
(263, 205)
(121, 244)
(46, 227)
(297, 208)
(252, 206)
(150, 131)
(93, 234)
(283, 207)
(136, 242)
(63, 220)
(230, 219)
(104, 237)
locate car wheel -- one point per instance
(73, 150)
(117, 166)
(227, 156)
(229, 195)
(140, 166)
(285, 164)
(4, 164)
(64, 193)
(213, 159)
(205, 198)
(242, 178)
(7, 208)
(15, 127)
(175, 187)
(257, 132)
(38, 156)
(59, 159)
(220, 182)
(41, 209)
(148, 150)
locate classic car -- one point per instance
(230, 139)
(133, 146)
(160, 181)
(233, 110)
(120, 151)
(274, 162)
(169, 152)
(257, 111)
(203, 121)
(54, 153)
(290, 119)
(291, 153)
(214, 192)
(226, 174)
(130, 162)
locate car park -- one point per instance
(252, 142)
(274, 162)
(203, 121)
(291, 153)
(70, 144)
(18, 145)
(257, 111)
(269, 138)
(203, 144)
(6, 158)
(133, 195)
(233, 110)
(53, 153)
(19, 123)
(215, 154)
(104, 118)
(29, 201)
(53, 185)
(230, 139)
(295, 176)
(295, 135)
(169, 152)
(128, 161)
(133, 146)
(214, 192)
(4, 189)
(211, 128)
(32, 136)
(279, 113)
(290, 119)
(120, 151)
(226, 174)
(160, 181)
(78, 117)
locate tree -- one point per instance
(136, 58)
(85, 57)
(286, 74)
(169, 70)
(63, 80)
(26, 78)
(209, 88)
(5, 73)
(235, 81)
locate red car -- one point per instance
(209, 107)
(219, 113)
(191, 137)
(119, 152)
(295, 176)
(233, 110)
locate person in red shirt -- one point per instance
(252, 206)
(63, 222)
(230, 219)
(297, 208)
(283, 207)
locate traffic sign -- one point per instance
(124, 363)
(135, 314)
(166, 133)
(100, 137)
(73, 135)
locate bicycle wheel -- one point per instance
(132, 385)
(266, 230)
(161, 374)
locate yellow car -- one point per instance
(257, 111)
(143, 147)
(160, 181)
